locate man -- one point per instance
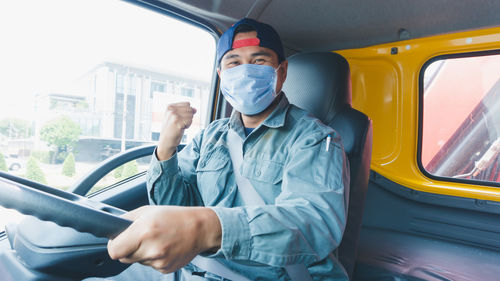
(294, 163)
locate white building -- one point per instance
(97, 105)
(147, 93)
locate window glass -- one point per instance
(122, 173)
(461, 118)
(84, 80)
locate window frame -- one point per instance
(215, 97)
(420, 118)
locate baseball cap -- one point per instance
(266, 37)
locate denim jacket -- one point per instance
(303, 185)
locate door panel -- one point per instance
(429, 236)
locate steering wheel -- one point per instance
(69, 253)
(70, 209)
(63, 208)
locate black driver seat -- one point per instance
(320, 83)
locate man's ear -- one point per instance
(282, 75)
(218, 72)
(284, 69)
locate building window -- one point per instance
(155, 136)
(187, 92)
(132, 85)
(157, 87)
(119, 83)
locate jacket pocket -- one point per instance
(262, 170)
(212, 161)
(212, 174)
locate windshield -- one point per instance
(84, 80)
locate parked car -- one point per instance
(13, 163)
(424, 74)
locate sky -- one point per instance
(46, 45)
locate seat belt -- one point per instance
(251, 198)
(213, 266)
(247, 191)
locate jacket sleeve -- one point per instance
(173, 181)
(307, 221)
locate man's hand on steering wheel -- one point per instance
(166, 237)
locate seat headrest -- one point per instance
(319, 82)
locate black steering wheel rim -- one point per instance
(61, 207)
(71, 209)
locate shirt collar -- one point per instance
(275, 120)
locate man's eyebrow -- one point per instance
(231, 56)
(256, 54)
(262, 53)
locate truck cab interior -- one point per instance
(412, 87)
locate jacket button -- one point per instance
(257, 173)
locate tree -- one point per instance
(118, 172)
(3, 164)
(68, 167)
(15, 128)
(61, 133)
(130, 169)
(33, 171)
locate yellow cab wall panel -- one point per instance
(385, 86)
(378, 73)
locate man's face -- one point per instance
(253, 55)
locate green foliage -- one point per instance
(59, 157)
(41, 156)
(81, 105)
(130, 169)
(117, 173)
(33, 171)
(68, 167)
(3, 164)
(16, 128)
(61, 133)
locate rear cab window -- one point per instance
(83, 81)
(460, 137)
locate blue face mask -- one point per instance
(249, 88)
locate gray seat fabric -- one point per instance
(320, 83)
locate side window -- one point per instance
(85, 80)
(123, 172)
(461, 118)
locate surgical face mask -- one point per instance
(249, 88)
